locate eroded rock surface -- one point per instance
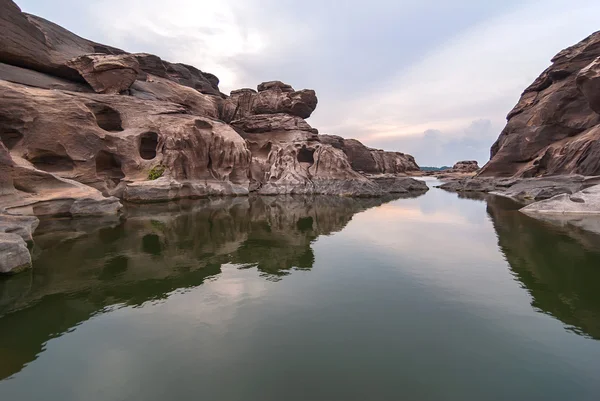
(14, 255)
(523, 189)
(555, 127)
(586, 201)
(84, 125)
(372, 161)
(464, 167)
(110, 74)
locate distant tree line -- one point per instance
(424, 168)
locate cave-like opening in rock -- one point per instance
(10, 138)
(107, 118)
(306, 155)
(52, 162)
(109, 166)
(148, 145)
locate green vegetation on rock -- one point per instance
(156, 172)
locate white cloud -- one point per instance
(206, 34)
(478, 74)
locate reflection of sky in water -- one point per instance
(411, 299)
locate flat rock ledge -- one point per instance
(581, 210)
(525, 190)
(584, 202)
(568, 200)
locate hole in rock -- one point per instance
(148, 145)
(201, 124)
(52, 162)
(264, 151)
(10, 138)
(306, 155)
(107, 118)
(109, 166)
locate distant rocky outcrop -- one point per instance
(555, 127)
(372, 161)
(84, 126)
(465, 166)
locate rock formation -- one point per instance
(464, 167)
(84, 125)
(372, 161)
(523, 189)
(584, 202)
(555, 127)
(118, 118)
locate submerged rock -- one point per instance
(14, 255)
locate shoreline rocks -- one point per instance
(561, 200)
(522, 189)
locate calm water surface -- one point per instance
(432, 298)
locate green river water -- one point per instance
(437, 297)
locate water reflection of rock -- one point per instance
(560, 267)
(84, 266)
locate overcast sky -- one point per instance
(434, 78)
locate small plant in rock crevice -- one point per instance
(156, 172)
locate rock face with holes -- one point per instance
(555, 127)
(82, 124)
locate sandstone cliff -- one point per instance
(555, 127)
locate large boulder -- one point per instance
(554, 128)
(272, 98)
(584, 202)
(14, 255)
(464, 167)
(110, 74)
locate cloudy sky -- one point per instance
(434, 78)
